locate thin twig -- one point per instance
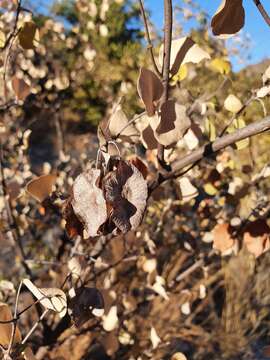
(150, 45)
(235, 116)
(166, 66)
(11, 220)
(262, 11)
(14, 30)
(129, 123)
(14, 324)
(27, 336)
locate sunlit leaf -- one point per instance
(172, 123)
(233, 104)
(51, 298)
(118, 123)
(221, 65)
(181, 74)
(210, 189)
(110, 320)
(155, 339)
(183, 51)
(188, 191)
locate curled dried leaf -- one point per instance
(88, 201)
(51, 298)
(126, 193)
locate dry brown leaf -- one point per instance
(88, 201)
(148, 138)
(41, 187)
(126, 193)
(28, 354)
(73, 225)
(183, 51)
(118, 122)
(6, 329)
(257, 237)
(222, 238)
(20, 88)
(150, 90)
(140, 165)
(229, 19)
(173, 123)
(27, 35)
(51, 298)
(110, 343)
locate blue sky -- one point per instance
(255, 26)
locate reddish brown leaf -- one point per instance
(21, 89)
(41, 187)
(73, 225)
(6, 329)
(222, 237)
(229, 19)
(150, 90)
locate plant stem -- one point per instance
(147, 33)
(166, 65)
(262, 11)
(211, 148)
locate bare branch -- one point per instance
(147, 33)
(211, 148)
(262, 11)
(166, 65)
